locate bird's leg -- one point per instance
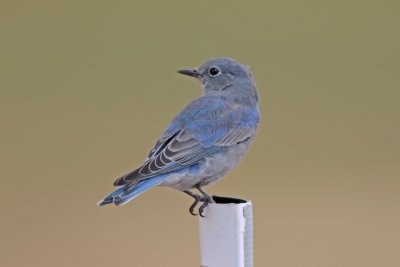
(208, 199)
(197, 198)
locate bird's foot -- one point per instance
(197, 199)
(207, 200)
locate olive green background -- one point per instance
(88, 86)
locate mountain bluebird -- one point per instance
(203, 142)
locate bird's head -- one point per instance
(220, 74)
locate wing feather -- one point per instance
(193, 135)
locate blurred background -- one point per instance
(86, 88)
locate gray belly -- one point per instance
(209, 170)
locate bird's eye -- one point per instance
(214, 71)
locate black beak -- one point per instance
(193, 73)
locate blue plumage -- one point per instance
(204, 141)
(120, 197)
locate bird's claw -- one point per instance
(201, 208)
(191, 208)
(205, 199)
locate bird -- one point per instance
(205, 141)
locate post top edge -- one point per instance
(229, 200)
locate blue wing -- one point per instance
(206, 126)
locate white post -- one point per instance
(226, 233)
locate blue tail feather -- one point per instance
(119, 197)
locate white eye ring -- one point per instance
(214, 71)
